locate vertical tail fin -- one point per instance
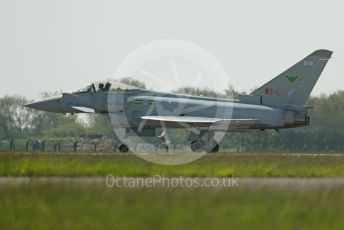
(294, 85)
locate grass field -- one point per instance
(219, 165)
(62, 205)
(70, 206)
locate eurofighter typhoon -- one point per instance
(278, 104)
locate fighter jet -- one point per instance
(278, 104)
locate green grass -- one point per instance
(67, 205)
(221, 165)
(71, 206)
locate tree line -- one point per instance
(325, 132)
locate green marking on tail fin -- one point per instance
(294, 85)
(291, 79)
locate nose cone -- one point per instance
(52, 104)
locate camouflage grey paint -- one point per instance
(278, 104)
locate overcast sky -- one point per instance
(48, 45)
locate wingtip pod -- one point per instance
(322, 53)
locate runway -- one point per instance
(161, 181)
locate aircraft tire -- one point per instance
(123, 148)
(197, 146)
(214, 149)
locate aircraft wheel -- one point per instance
(197, 146)
(215, 148)
(123, 148)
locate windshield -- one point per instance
(112, 86)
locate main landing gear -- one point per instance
(204, 142)
(200, 146)
(123, 148)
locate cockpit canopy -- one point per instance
(105, 87)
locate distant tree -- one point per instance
(232, 93)
(100, 124)
(133, 82)
(50, 124)
(54, 124)
(328, 112)
(325, 133)
(15, 118)
(199, 92)
(67, 129)
(46, 94)
(3, 127)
